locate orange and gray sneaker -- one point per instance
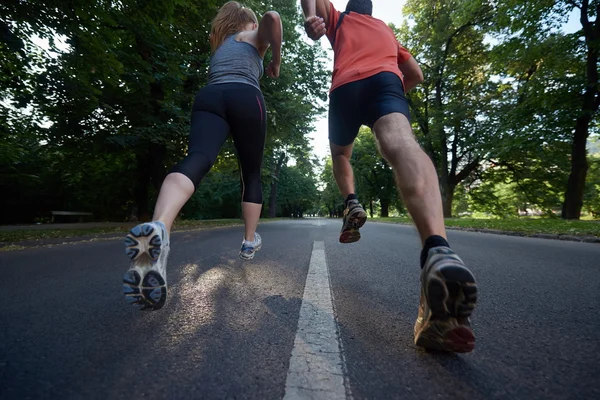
(354, 218)
(448, 296)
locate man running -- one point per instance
(371, 74)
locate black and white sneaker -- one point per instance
(145, 283)
(250, 248)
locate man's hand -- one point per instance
(315, 27)
(273, 69)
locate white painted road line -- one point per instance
(316, 370)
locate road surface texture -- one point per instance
(308, 318)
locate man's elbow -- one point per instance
(419, 78)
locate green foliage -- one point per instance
(94, 122)
(330, 198)
(555, 77)
(592, 192)
(219, 194)
(539, 103)
(524, 225)
(453, 115)
(502, 94)
(115, 102)
(594, 146)
(297, 192)
(496, 198)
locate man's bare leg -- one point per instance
(448, 288)
(342, 169)
(415, 174)
(354, 214)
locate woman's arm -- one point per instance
(270, 33)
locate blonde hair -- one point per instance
(230, 19)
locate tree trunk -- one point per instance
(141, 188)
(158, 171)
(447, 200)
(371, 207)
(385, 208)
(273, 194)
(273, 200)
(579, 166)
(575, 186)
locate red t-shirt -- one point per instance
(364, 46)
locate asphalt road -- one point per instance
(230, 327)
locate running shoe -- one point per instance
(250, 248)
(448, 296)
(145, 283)
(354, 218)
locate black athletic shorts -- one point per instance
(363, 103)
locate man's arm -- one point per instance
(412, 74)
(316, 16)
(319, 8)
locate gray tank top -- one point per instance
(235, 62)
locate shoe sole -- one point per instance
(143, 240)
(146, 291)
(149, 294)
(350, 233)
(451, 295)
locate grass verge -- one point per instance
(23, 235)
(27, 235)
(11, 247)
(527, 226)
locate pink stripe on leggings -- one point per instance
(261, 110)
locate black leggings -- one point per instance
(218, 110)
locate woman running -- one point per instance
(231, 103)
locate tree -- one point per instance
(330, 194)
(537, 104)
(537, 23)
(298, 192)
(451, 108)
(116, 101)
(293, 100)
(592, 193)
(589, 108)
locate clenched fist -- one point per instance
(315, 27)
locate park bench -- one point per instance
(71, 213)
